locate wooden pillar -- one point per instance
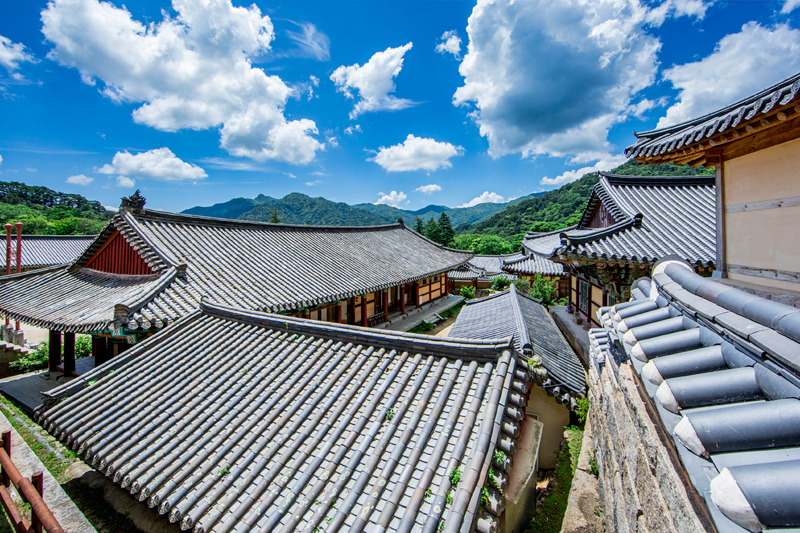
(69, 354)
(475, 283)
(351, 311)
(55, 350)
(416, 294)
(386, 305)
(337, 313)
(364, 310)
(719, 219)
(403, 299)
(98, 349)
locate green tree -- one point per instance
(463, 242)
(500, 283)
(419, 226)
(275, 216)
(522, 285)
(544, 289)
(432, 230)
(492, 245)
(446, 229)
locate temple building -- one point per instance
(39, 251)
(558, 376)
(148, 268)
(481, 271)
(301, 424)
(754, 145)
(629, 223)
(535, 260)
(695, 382)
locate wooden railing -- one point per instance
(31, 491)
(377, 318)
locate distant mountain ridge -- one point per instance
(298, 208)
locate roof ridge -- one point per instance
(522, 329)
(652, 181)
(646, 135)
(486, 350)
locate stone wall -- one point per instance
(640, 487)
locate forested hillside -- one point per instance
(44, 211)
(297, 208)
(562, 207)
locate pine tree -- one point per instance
(432, 230)
(419, 227)
(446, 229)
(274, 217)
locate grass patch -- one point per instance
(425, 327)
(553, 505)
(26, 428)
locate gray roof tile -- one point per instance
(47, 250)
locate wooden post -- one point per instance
(337, 313)
(386, 305)
(7, 447)
(98, 345)
(37, 480)
(351, 310)
(719, 219)
(69, 354)
(364, 310)
(403, 299)
(475, 283)
(416, 294)
(55, 350)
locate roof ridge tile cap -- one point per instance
(524, 338)
(770, 313)
(485, 349)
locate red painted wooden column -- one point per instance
(403, 299)
(416, 294)
(386, 305)
(337, 313)
(55, 350)
(475, 283)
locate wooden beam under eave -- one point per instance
(782, 132)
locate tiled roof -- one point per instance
(48, 250)
(235, 420)
(493, 264)
(534, 264)
(535, 334)
(720, 127)
(723, 370)
(467, 271)
(252, 265)
(654, 217)
(543, 243)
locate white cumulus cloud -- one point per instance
(1, 159)
(605, 164)
(449, 43)
(12, 54)
(789, 6)
(393, 199)
(80, 179)
(350, 130)
(191, 70)
(429, 189)
(742, 63)
(374, 81)
(159, 164)
(416, 153)
(125, 182)
(485, 198)
(552, 78)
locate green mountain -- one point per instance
(44, 211)
(562, 207)
(297, 208)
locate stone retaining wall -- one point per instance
(640, 487)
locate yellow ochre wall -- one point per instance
(763, 238)
(554, 417)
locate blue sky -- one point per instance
(401, 102)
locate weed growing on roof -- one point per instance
(389, 414)
(499, 457)
(534, 363)
(449, 498)
(494, 481)
(484, 497)
(224, 471)
(455, 476)
(91, 382)
(428, 493)
(441, 525)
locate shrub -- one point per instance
(468, 292)
(37, 359)
(500, 283)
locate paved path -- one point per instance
(26, 390)
(427, 312)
